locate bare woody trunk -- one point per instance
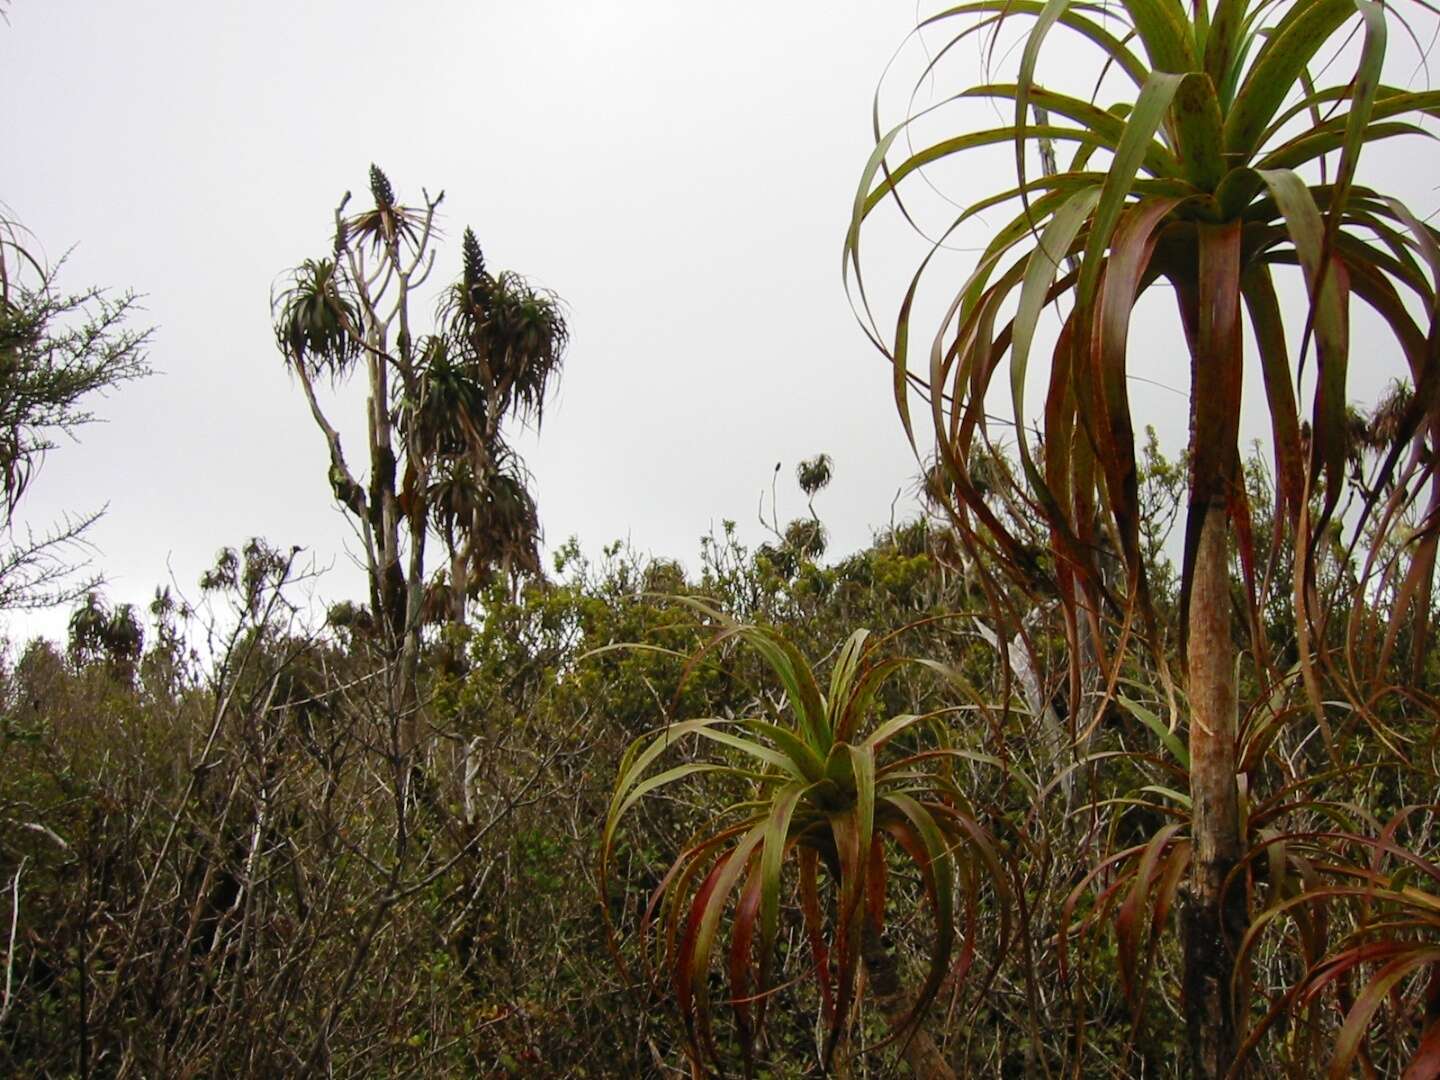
(919, 1049)
(1214, 923)
(459, 584)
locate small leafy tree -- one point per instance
(58, 351)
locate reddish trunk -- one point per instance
(1214, 923)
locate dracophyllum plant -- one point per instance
(837, 793)
(1221, 150)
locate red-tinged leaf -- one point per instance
(675, 885)
(981, 844)
(910, 843)
(1338, 965)
(1151, 106)
(684, 970)
(1061, 422)
(875, 878)
(1425, 1065)
(808, 862)
(852, 858)
(1328, 284)
(1127, 920)
(939, 866)
(1385, 844)
(1129, 263)
(1044, 262)
(1169, 887)
(742, 938)
(1357, 1021)
(1067, 909)
(700, 932)
(972, 381)
(776, 843)
(1414, 592)
(1259, 291)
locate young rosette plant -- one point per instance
(837, 799)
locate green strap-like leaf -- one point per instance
(841, 675)
(669, 776)
(804, 762)
(1165, 31)
(1289, 50)
(1365, 84)
(1224, 40)
(1198, 125)
(645, 749)
(772, 856)
(1040, 271)
(1168, 738)
(801, 690)
(775, 760)
(1314, 144)
(1150, 109)
(862, 696)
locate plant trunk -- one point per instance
(1214, 923)
(919, 1049)
(459, 583)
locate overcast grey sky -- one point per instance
(680, 173)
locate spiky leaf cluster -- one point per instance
(814, 473)
(833, 792)
(317, 322)
(388, 225)
(806, 537)
(512, 332)
(1223, 162)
